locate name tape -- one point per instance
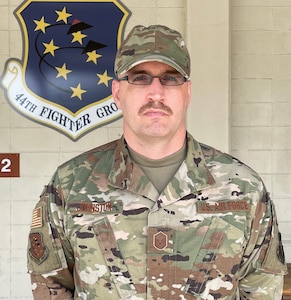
(96, 207)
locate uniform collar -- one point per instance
(192, 176)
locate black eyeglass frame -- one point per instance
(126, 78)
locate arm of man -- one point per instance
(264, 266)
(50, 258)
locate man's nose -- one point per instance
(156, 90)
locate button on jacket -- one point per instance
(102, 231)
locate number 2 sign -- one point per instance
(9, 164)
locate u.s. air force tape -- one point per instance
(204, 207)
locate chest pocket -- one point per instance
(215, 267)
(114, 260)
(197, 261)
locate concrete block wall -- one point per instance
(261, 97)
(259, 121)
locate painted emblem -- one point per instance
(64, 78)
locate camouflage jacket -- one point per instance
(102, 231)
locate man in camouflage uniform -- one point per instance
(155, 215)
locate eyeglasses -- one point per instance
(146, 79)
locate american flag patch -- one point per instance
(36, 218)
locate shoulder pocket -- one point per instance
(42, 249)
(272, 254)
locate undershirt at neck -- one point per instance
(160, 171)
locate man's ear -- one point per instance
(189, 83)
(115, 92)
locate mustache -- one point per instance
(155, 105)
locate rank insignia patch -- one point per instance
(64, 78)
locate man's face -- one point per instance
(154, 110)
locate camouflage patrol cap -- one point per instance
(153, 43)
